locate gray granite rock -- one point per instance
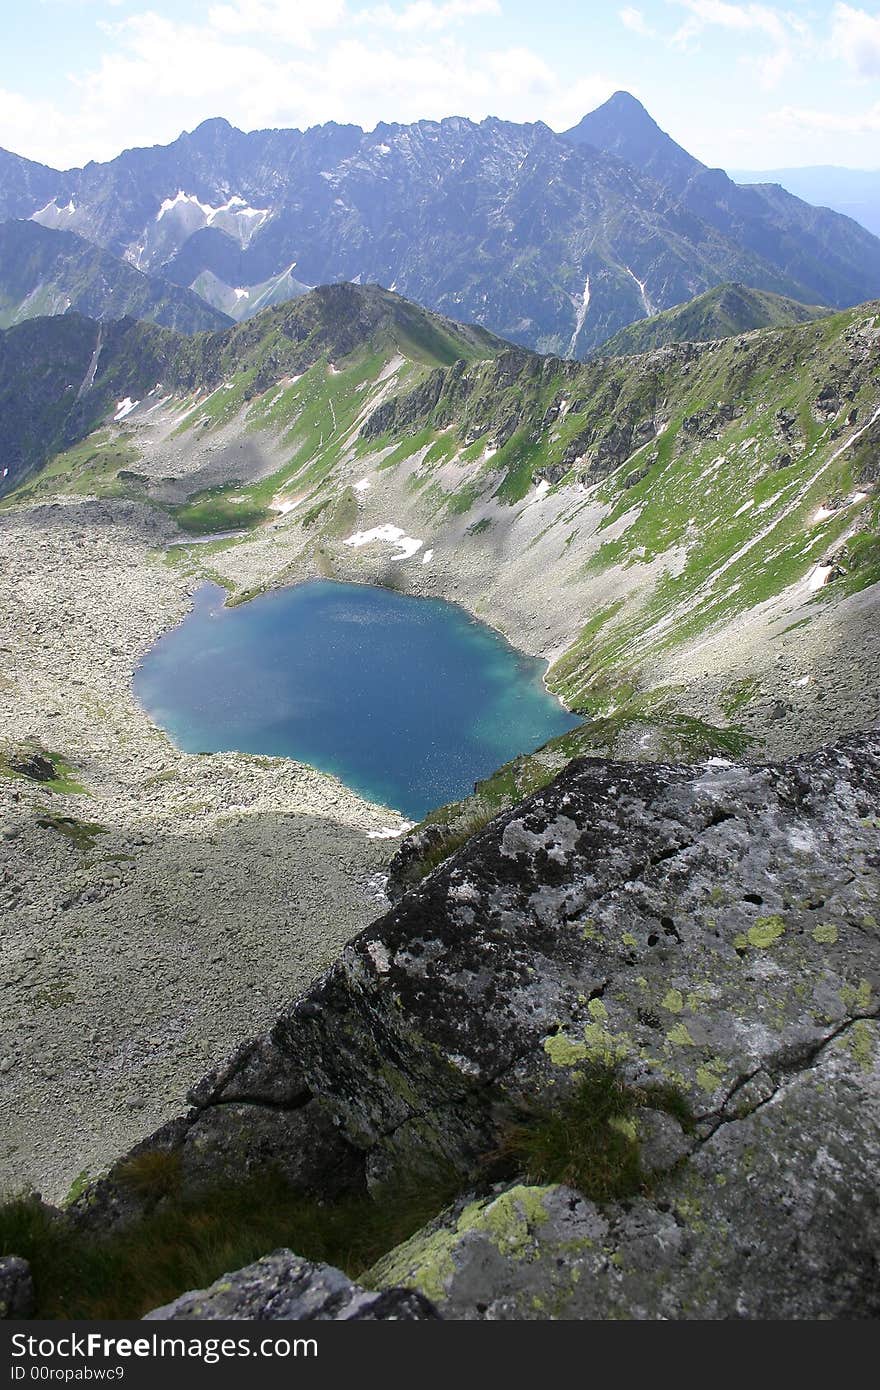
(713, 929)
(772, 1217)
(282, 1287)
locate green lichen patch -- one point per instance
(762, 934)
(672, 1001)
(825, 934)
(563, 1052)
(680, 1036)
(425, 1261)
(862, 1041)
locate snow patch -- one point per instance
(820, 577)
(427, 557)
(394, 535)
(582, 308)
(363, 486)
(124, 408)
(646, 302)
(52, 215)
(234, 205)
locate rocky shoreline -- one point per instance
(152, 922)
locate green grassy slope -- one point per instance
(722, 312)
(61, 377)
(722, 473)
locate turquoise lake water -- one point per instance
(407, 700)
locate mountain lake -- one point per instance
(407, 700)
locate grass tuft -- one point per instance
(588, 1140)
(81, 834)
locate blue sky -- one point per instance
(754, 86)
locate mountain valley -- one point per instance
(598, 1040)
(689, 538)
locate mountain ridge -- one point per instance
(49, 271)
(723, 312)
(59, 376)
(549, 242)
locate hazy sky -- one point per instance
(742, 86)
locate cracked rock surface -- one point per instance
(712, 927)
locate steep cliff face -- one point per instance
(707, 930)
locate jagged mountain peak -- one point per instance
(623, 105)
(553, 242)
(622, 126)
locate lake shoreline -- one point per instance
(190, 898)
(443, 700)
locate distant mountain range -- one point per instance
(43, 271)
(554, 241)
(854, 192)
(719, 313)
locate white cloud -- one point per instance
(784, 30)
(422, 16)
(292, 23)
(855, 37)
(36, 128)
(158, 76)
(297, 22)
(803, 119)
(635, 21)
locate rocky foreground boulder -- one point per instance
(710, 932)
(16, 1288)
(282, 1287)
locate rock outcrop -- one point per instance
(16, 1288)
(282, 1287)
(713, 929)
